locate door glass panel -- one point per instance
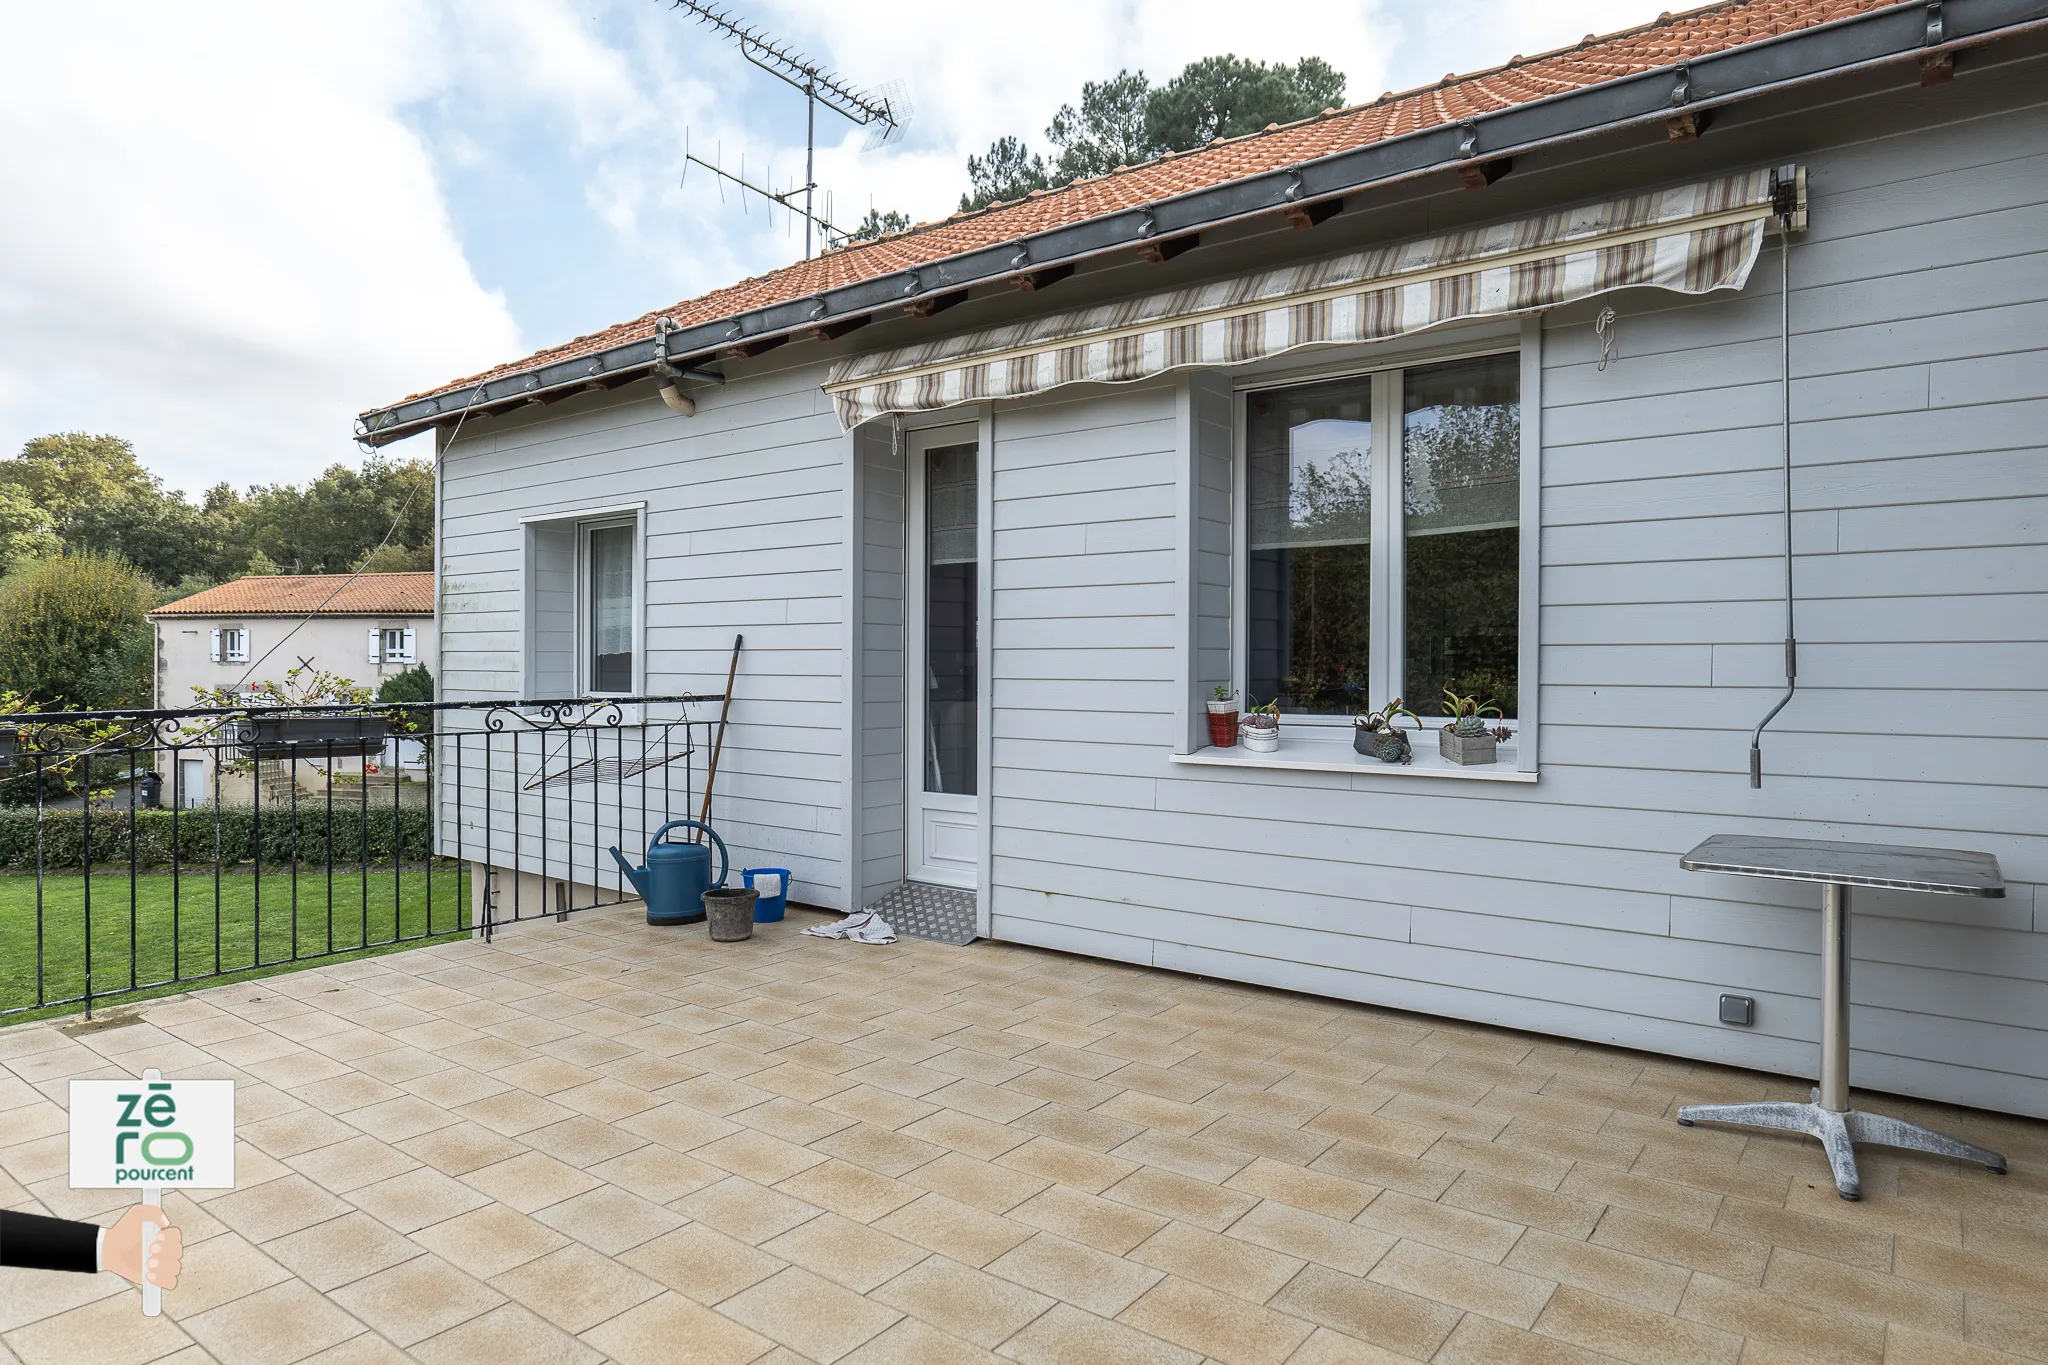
(1310, 551)
(611, 609)
(1461, 436)
(952, 605)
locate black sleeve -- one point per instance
(34, 1242)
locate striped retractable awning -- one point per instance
(1691, 240)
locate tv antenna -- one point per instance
(883, 113)
(785, 199)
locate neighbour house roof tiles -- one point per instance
(323, 594)
(1667, 40)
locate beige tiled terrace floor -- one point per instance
(595, 1140)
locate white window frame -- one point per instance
(406, 651)
(1387, 632)
(586, 659)
(234, 645)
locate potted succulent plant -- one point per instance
(1260, 728)
(1377, 734)
(1223, 717)
(1466, 740)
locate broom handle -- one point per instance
(718, 744)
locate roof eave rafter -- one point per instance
(1685, 90)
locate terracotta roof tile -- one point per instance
(1670, 38)
(371, 594)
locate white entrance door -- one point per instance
(943, 608)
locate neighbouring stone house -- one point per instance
(239, 635)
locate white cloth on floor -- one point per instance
(862, 927)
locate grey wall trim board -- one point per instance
(984, 653)
(1529, 687)
(853, 693)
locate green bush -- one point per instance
(73, 634)
(406, 832)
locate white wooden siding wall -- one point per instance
(744, 533)
(881, 660)
(1920, 355)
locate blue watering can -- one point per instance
(677, 875)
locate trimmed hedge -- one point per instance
(405, 832)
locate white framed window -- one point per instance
(393, 645)
(229, 645)
(1383, 544)
(585, 602)
(607, 602)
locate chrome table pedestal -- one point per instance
(1838, 867)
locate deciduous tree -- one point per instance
(74, 634)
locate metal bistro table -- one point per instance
(1939, 871)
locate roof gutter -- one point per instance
(1895, 34)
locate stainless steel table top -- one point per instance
(1941, 871)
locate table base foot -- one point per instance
(1838, 1134)
(1891, 1132)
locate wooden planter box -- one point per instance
(314, 737)
(1466, 750)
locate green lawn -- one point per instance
(241, 924)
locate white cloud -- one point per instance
(220, 237)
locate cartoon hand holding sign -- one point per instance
(148, 1134)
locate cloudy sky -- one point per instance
(225, 228)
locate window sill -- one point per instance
(1327, 749)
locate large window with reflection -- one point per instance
(1383, 539)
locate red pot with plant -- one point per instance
(1223, 718)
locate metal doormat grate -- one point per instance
(926, 911)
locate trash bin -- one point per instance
(152, 787)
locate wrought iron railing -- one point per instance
(144, 851)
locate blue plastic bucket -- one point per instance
(768, 909)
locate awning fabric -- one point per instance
(1691, 240)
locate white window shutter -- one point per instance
(242, 638)
(376, 647)
(213, 645)
(411, 647)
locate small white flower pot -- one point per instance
(1259, 739)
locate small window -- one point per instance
(231, 644)
(1383, 547)
(608, 578)
(951, 609)
(394, 645)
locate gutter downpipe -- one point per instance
(670, 376)
(1790, 192)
